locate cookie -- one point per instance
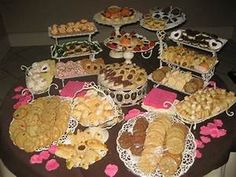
(125, 140)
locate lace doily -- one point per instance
(130, 160)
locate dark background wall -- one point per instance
(26, 21)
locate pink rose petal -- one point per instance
(214, 132)
(44, 155)
(52, 149)
(205, 139)
(17, 105)
(199, 144)
(211, 125)
(222, 132)
(17, 96)
(111, 170)
(18, 88)
(132, 113)
(36, 159)
(52, 165)
(218, 122)
(25, 98)
(198, 154)
(204, 130)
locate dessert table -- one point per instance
(215, 153)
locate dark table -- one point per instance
(215, 153)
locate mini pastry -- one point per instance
(125, 140)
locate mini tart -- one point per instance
(122, 76)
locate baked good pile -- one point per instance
(205, 103)
(82, 67)
(39, 124)
(81, 26)
(188, 58)
(176, 79)
(40, 75)
(122, 76)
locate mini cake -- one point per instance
(125, 83)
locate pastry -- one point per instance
(117, 14)
(74, 49)
(122, 76)
(83, 149)
(40, 75)
(159, 74)
(189, 58)
(93, 109)
(200, 39)
(205, 103)
(82, 26)
(176, 79)
(129, 42)
(40, 123)
(193, 85)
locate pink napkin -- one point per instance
(71, 88)
(156, 98)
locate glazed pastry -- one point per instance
(205, 103)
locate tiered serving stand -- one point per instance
(205, 75)
(58, 48)
(119, 52)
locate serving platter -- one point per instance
(131, 160)
(163, 18)
(75, 49)
(200, 40)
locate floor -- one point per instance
(10, 71)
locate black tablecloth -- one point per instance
(215, 153)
